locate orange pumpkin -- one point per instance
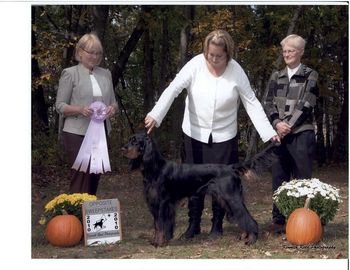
(64, 231)
(304, 226)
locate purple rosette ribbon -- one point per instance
(94, 149)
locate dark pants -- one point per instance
(80, 182)
(295, 157)
(197, 152)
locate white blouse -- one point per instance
(96, 90)
(291, 71)
(212, 102)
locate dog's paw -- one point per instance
(243, 236)
(250, 239)
(157, 242)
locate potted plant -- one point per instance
(63, 216)
(324, 198)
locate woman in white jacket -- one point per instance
(214, 82)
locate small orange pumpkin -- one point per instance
(64, 231)
(304, 226)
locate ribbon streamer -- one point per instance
(94, 149)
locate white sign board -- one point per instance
(101, 220)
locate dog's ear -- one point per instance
(148, 151)
(135, 163)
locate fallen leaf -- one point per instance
(267, 253)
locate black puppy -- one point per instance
(166, 182)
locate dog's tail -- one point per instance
(259, 163)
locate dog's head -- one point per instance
(135, 149)
(135, 146)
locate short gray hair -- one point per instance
(297, 41)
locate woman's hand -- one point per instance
(110, 111)
(276, 139)
(150, 123)
(283, 129)
(86, 111)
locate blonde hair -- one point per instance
(296, 41)
(219, 38)
(86, 42)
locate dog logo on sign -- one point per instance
(99, 224)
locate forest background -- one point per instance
(29, 125)
(145, 46)
(29, 142)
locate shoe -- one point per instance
(277, 228)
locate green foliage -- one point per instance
(46, 150)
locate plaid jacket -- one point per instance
(292, 101)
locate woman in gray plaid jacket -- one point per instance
(289, 104)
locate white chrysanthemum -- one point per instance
(326, 197)
(299, 184)
(323, 193)
(304, 191)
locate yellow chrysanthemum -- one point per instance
(69, 202)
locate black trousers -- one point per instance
(80, 182)
(197, 152)
(294, 161)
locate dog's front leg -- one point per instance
(236, 208)
(159, 236)
(159, 240)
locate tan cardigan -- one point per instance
(75, 88)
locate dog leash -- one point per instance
(131, 126)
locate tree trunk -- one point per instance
(179, 104)
(185, 36)
(100, 15)
(328, 131)
(130, 45)
(74, 28)
(39, 106)
(340, 143)
(164, 56)
(320, 149)
(148, 71)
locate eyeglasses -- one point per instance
(289, 52)
(216, 56)
(92, 52)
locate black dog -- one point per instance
(99, 223)
(166, 182)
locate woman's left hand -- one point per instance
(276, 139)
(110, 111)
